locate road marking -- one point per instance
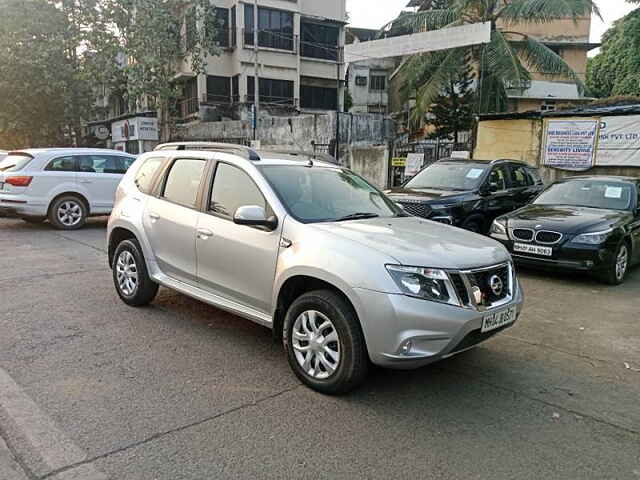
(54, 449)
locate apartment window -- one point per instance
(191, 30)
(235, 86)
(319, 41)
(556, 50)
(377, 109)
(271, 91)
(378, 83)
(275, 28)
(318, 97)
(361, 81)
(222, 33)
(234, 23)
(218, 89)
(189, 103)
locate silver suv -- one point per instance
(313, 251)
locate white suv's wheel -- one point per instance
(68, 213)
(130, 276)
(324, 343)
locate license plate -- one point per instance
(533, 249)
(498, 319)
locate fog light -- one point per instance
(406, 347)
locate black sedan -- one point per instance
(582, 223)
(468, 194)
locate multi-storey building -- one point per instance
(300, 44)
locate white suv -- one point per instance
(64, 185)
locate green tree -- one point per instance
(503, 63)
(452, 111)
(158, 38)
(616, 69)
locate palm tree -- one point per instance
(504, 63)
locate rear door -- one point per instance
(502, 200)
(57, 176)
(170, 218)
(522, 185)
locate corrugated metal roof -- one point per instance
(586, 111)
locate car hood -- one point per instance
(416, 242)
(566, 219)
(399, 194)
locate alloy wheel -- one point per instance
(69, 213)
(316, 344)
(127, 273)
(622, 262)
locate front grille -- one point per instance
(545, 236)
(523, 234)
(417, 209)
(484, 288)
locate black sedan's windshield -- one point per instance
(610, 195)
(318, 194)
(449, 176)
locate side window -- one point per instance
(113, 164)
(183, 181)
(498, 177)
(233, 188)
(146, 173)
(62, 164)
(519, 176)
(535, 176)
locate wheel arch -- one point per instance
(117, 236)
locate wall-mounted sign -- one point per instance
(414, 164)
(570, 144)
(137, 128)
(101, 132)
(398, 162)
(619, 142)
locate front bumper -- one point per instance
(567, 256)
(436, 330)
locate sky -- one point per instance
(363, 14)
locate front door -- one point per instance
(236, 262)
(501, 200)
(523, 186)
(170, 220)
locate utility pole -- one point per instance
(338, 65)
(256, 78)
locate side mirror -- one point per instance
(254, 216)
(488, 189)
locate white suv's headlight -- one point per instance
(426, 283)
(499, 229)
(595, 238)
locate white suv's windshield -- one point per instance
(449, 176)
(588, 193)
(319, 194)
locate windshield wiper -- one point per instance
(357, 216)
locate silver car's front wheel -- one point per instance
(127, 273)
(324, 342)
(316, 344)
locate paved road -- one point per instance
(92, 389)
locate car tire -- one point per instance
(130, 276)
(34, 220)
(68, 212)
(617, 268)
(324, 343)
(474, 224)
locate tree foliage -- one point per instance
(503, 63)
(616, 69)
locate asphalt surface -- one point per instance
(93, 389)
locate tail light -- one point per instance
(21, 181)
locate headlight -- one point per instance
(425, 283)
(442, 206)
(595, 238)
(499, 229)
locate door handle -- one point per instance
(86, 181)
(154, 216)
(204, 233)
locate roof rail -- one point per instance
(240, 150)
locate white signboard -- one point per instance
(570, 144)
(138, 128)
(442, 39)
(414, 164)
(619, 142)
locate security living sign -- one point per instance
(570, 144)
(619, 142)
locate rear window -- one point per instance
(146, 174)
(14, 163)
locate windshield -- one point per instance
(14, 163)
(588, 193)
(449, 176)
(318, 194)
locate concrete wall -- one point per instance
(372, 163)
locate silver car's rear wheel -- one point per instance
(127, 273)
(68, 213)
(316, 344)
